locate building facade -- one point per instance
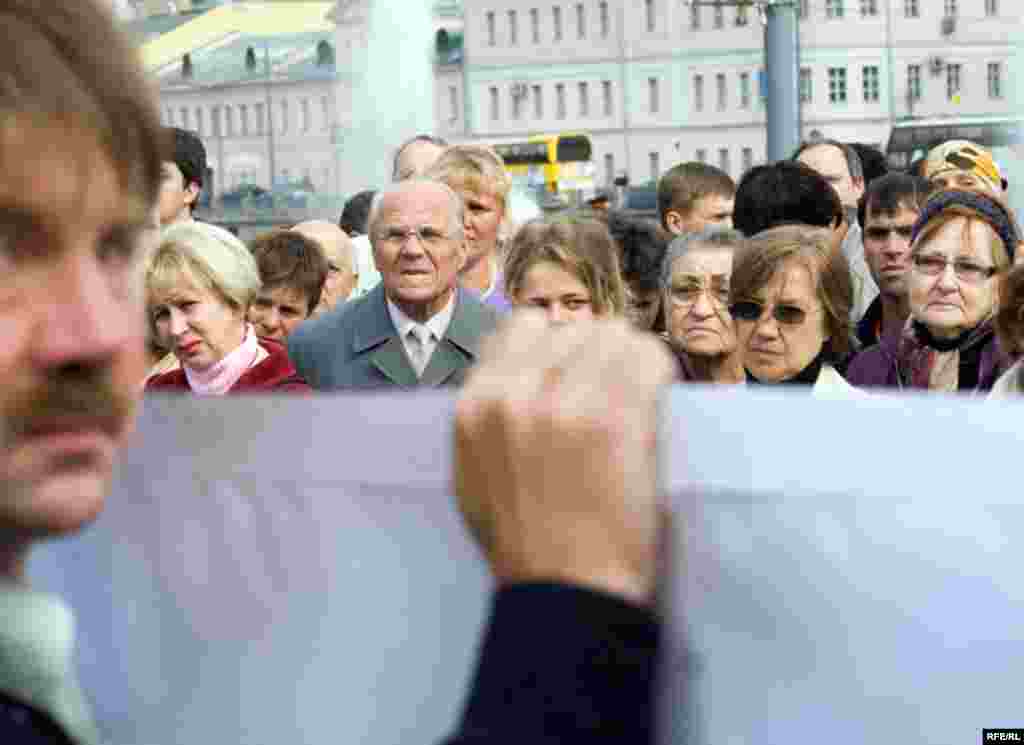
(656, 82)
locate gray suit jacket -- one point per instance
(356, 346)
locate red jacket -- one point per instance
(274, 374)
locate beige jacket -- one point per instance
(1010, 383)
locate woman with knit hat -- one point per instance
(962, 244)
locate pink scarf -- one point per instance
(217, 379)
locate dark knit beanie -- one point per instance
(989, 209)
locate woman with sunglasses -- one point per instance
(567, 267)
(790, 299)
(962, 244)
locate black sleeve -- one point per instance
(562, 664)
(24, 725)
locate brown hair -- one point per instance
(1009, 320)
(761, 257)
(681, 187)
(581, 246)
(289, 259)
(72, 67)
(475, 167)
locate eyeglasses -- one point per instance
(882, 234)
(752, 312)
(934, 265)
(426, 235)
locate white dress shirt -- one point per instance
(431, 332)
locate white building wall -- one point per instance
(661, 40)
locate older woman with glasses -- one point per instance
(566, 267)
(962, 243)
(200, 285)
(790, 299)
(695, 279)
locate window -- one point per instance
(837, 84)
(259, 114)
(169, 117)
(723, 160)
(695, 17)
(910, 9)
(605, 20)
(229, 121)
(868, 8)
(199, 121)
(835, 8)
(495, 109)
(952, 81)
(215, 121)
(490, 29)
(702, 155)
(517, 103)
(744, 90)
(284, 115)
(722, 92)
(743, 14)
(581, 21)
(950, 8)
(655, 162)
(584, 90)
(538, 102)
(243, 119)
(513, 28)
(995, 80)
(560, 100)
(609, 170)
(649, 11)
(698, 93)
(606, 96)
(748, 159)
(306, 116)
(806, 85)
(991, 7)
(804, 10)
(914, 82)
(453, 103)
(652, 95)
(556, 16)
(535, 25)
(869, 75)
(719, 17)
(184, 118)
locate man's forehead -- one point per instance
(904, 212)
(825, 157)
(421, 201)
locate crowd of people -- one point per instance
(809, 272)
(813, 271)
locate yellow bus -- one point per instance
(548, 165)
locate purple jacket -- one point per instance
(878, 366)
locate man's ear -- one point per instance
(674, 221)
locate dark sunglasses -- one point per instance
(748, 310)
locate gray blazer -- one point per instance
(355, 345)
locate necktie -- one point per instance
(418, 337)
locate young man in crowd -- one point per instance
(960, 164)
(293, 270)
(839, 164)
(887, 211)
(182, 178)
(693, 197)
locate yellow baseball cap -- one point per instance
(962, 155)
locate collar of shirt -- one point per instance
(437, 324)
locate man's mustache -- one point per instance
(75, 396)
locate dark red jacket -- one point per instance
(275, 374)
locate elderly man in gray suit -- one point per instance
(416, 328)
